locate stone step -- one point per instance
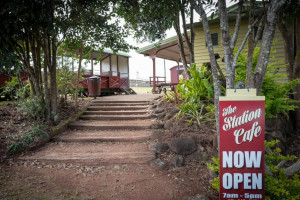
(121, 101)
(114, 108)
(93, 153)
(111, 125)
(128, 112)
(103, 136)
(116, 117)
(118, 104)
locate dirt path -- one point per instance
(103, 155)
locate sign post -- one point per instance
(242, 134)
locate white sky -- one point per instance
(141, 67)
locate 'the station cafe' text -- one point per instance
(242, 159)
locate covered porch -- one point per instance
(166, 49)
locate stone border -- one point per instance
(59, 129)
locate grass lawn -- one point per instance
(142, 90)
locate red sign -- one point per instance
(242, 134)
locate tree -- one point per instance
(151, 20)
(94, 26)
(229, 43)
(289, 26)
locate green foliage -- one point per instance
(277, 96)
(278, 186)
(199, 88)
(65, 81)
(170, 97)
(10, 87)
(192, 110)
(33, 106)
(276, 93)
(194, 94)
(23, 139)
(214, 166)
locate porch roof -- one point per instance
(166, 49)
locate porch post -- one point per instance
(154, 76)
(92, 66)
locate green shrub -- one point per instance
(194, 94)
(23, 139)
(33, 106)
(277, 186)
(199, 88)
(276, 93)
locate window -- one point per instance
(215, 39)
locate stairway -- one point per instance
(109, 132)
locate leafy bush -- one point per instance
(277, 186)
(10, 87)
(33, 106)
(276, 93)
(23, 139)
(194, 94)
(199, 88)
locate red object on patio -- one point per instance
(177, 72)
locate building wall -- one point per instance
(201, 51)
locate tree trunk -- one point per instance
(296, 73)
(217, 90)
(228, 50)
(266, 45)
(250, 46)
(78, 72)
(181, 47)
(53, 84)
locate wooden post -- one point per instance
(100, 67)
(154, 76)
(92, 66)
(110, 65)
(118, 66)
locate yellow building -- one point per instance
(201, 51)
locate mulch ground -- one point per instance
(13, 122)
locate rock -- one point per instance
(157, 134)
(177, 160)
(160, 104)
(196, 156)
(183, 145)
(117, 168)
(158, 147)
(153, 106)
(157, 126)
(212, 174)
(159, 110)
(168, 124)
(197, 197)
(277, 135)
(161, 116)
(158, 164)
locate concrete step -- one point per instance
(114, 108)
(111, 125)
(103, 136)
(93, 153)
(128, 112)
(116, 117)
(119, 104)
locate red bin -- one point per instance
(94, 86)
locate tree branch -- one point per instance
(243, 43)
(237, 25)
(292, 169)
